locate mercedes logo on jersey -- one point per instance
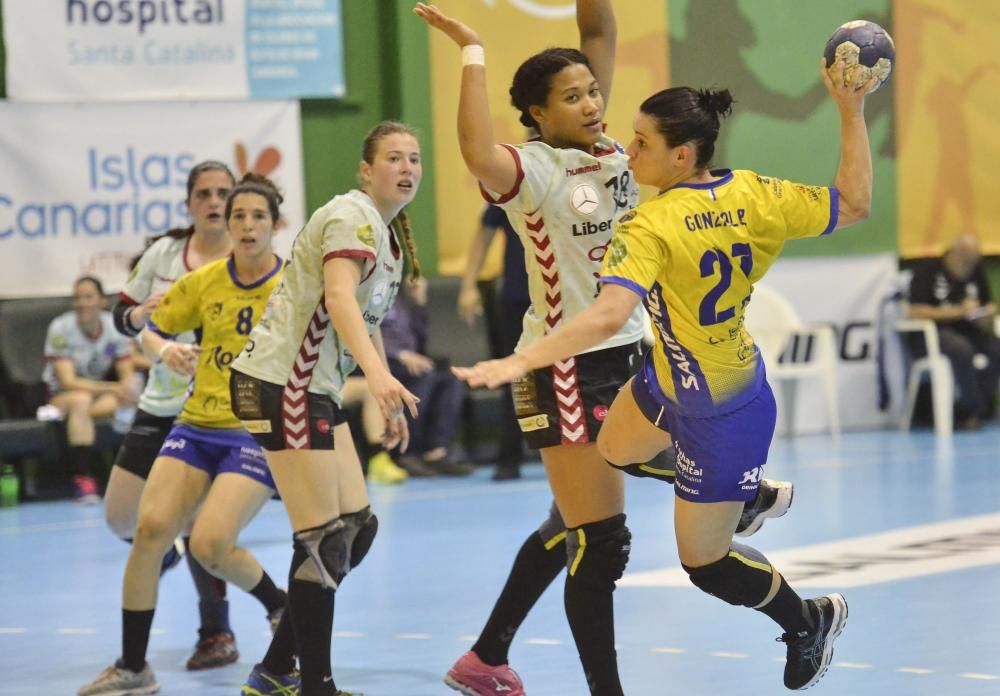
(584, 199)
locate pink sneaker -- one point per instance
(473, 677)
(86, 490)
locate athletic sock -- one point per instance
(312, 607)
(82, 458)
(135, 637)
(268, 594)
(212, 604)
(280, 657)
(589, 601)
(534, 569)
(789, 611)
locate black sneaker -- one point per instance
(810, 653)
(450, 467)
(773, 500)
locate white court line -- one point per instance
(733, 655)
(13, 631)
(76, 631)
(914, 670)
(349, 634)
(412, 636)
(670, 651)
(853, 665)
(468, 639)
(980, 677)
(543, 641)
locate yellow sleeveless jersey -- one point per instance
(693, 254)
(222, 312)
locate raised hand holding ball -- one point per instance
(866, 50)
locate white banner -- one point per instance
(83, 187)
(843, 292)
(93, 50)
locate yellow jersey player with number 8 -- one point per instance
(208, 462)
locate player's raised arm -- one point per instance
(487, 161)
(854, 173)
(595, 20)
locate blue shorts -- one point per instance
(719, 458)
(218, 452)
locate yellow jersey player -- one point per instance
(208, 459)
(692, 254)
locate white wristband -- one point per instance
(473, 54)
(163, 348)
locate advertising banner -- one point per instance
(844, 293)
(93, 50)
(83, 187)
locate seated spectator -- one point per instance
(82, 349)
(953, 292)
(404, 333)
(381, 467)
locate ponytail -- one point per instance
(402, 226)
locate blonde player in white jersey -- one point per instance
(344, 273)
(167, 259)
(562, 193)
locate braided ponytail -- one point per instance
(402, 226)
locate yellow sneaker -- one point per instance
(381, 469)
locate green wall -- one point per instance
(386, 63)
(767, 52)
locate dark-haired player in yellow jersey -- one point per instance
(692, 254)
(208, 459)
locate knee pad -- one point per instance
(597, 552)
(743, 577)
(366, 524)
(323, 554)
(553, 529)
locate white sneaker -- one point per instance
(118, 681)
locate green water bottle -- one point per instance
(8, 486)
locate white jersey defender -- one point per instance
(563, 206)
(159, 267)
(292, 344)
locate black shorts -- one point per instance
(566, 404)
(142, 443)
(281, 419)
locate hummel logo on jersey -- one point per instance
(596, 167)
(499, 687)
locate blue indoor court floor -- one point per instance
(907, 530)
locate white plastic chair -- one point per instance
(937, 367)
(773, 323)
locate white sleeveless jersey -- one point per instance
(92, 356)
(294, 345)
(563, 206)
(161, 264)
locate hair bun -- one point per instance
(717, 101)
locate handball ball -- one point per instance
(866, 50)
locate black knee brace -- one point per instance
(742, 577)
(597, 552)
(553, 529)
(662, 467)
(323, 554)
(367, 527)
